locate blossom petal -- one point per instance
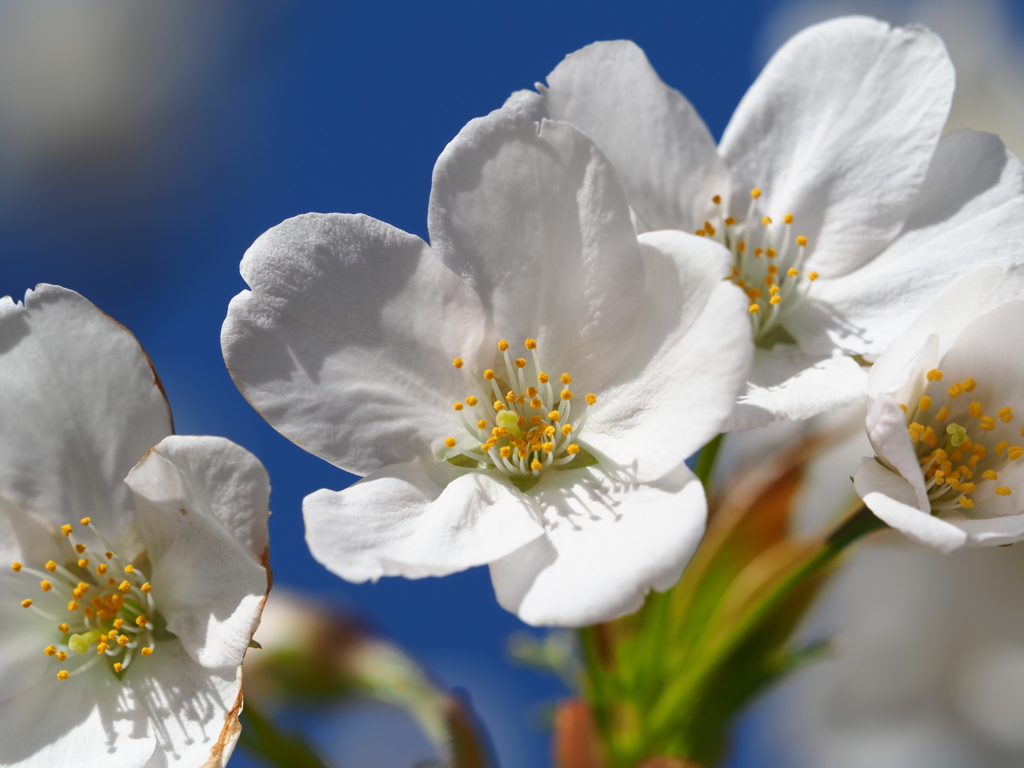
(417, 519)
(663, 153)
(607, 545)
(202, 511)
(533, 218)
(839, 130)
(690, 358)
(73, 722)
(346, 339)
(894, 501)
(79, 404)
(887, 430)
(970, 212)
(197, 707)
(786, 383)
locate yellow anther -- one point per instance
(490, 443)
(754, 293)
(924, 403)
(1015, 452)
(457, 406)
(118, 623)
(788, 218)
(730, 221)
(102, 648)
(141, 621)
(554, 415)
(50, 566)
(471, 401)
(754, 309)
(801, 241)
(967, 487)
(63, 628)
(772, 269)
(520, 362)
(83, 563)
(26, 603)
(903, 407)
(45, 585)
(975, 409)
(79, 548)
(535, 420)
(510, 396)
(955, 390)
(771, 253)
(567, 429)
(450, 442)
(775, 299)
(146, 588)
(572, 448)
(457, 362)
(965, 502)
(543, 378)
(717, 200)
(940, 456)
(124, 586)
(117, 666)
(741, 246)
(536, 465)
(503, 345)
(766, 221)
(66, 529)
(489, 374)
(755, 193)
(942, 414)
(482, 424)
(708, 229)
(505, 451)
(989, 474)
(1002, 490)
(915, 438)
(50, 650)
(565, 378)
(530, 343)
(63, 675)
(537, 403)
(968, 385)
(934, 375)
(1005, 414)
(956, 456)
(531, 391)
(987, 423)
(16, 566)
(812, 276)
(547, 447)
(498, 405)
(700, 233)
(566, 394)
(769, 281)
(591, 398)
(62, 656)
(915, 427)
(147, 651)
(792, 272)
(549, 430)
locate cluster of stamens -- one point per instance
(765, 263)
(956, 443)
(100, 605)
(519, 422)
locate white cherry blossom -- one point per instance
(843, 209)
(946, 418)
(521, 393)
(135, 561)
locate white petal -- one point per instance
(893, 500)
(194, 709)
(345, 342)
(886, 426)
(79, 721)
(415, 520)
(839, 130)
(663, 153)
(690, 358)
(25, 635)
(970, 212)
(79, 404)
(607, 545)
(535, 221)
(786, 383)
(202, 512)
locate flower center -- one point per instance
(971, 456)
(99, 603)
(518, 422)
(765, 265)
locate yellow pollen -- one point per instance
(490, 443)
(942, 414)
(754, 309)
(124, 586)
(567, 429)
(700, 233)
(16, 566)
(520, 362)
(102, 648)
(1015, 452)
(775, 299)
(50, 566)
(450, 442)
(755, 193)
(26, 603)
(537, 403)
(503, 345)
(489, 374)
(62, 656)
(792, 272)
(965, 502)
(730, 221)
(471, 401)
(967, 487)
(812, 276)
(536, 465)
(924, 403)
(123, 640)
(498, 405)
(1002, 490)
(987, 423)
(955, 390)
(968, 385)
(772, 269)
(766, 221)
(769, 280)
(79, 548)
(741, 246)
(591, 398)
(989, 474)
(147, 651)
(1005, 414)
(566, 394)
(975, 409)
(801, 241)
(50, 650)
(788, 218)
(510, 396)
(66, 529)
(141, 621)
(118, 623)
(530, 343)
(83, 563)
(771, 253)
(146, 588)
(531, 391)
(934, 375)
(63, 628)
(117, 666)
(535, 420)
(482, 424)
(457, 406)
(565, 378)
(549, 430)
(554, 415)
(63, 675)
(505, 451)
(708, 229)
(572, 448)
(543, 378)
(754, 293)
(547, 447)
(903, 407)
(45, 585)
(717, 200)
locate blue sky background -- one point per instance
(248, 114)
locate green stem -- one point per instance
(706, 461)
(265, 742)
(597, 682)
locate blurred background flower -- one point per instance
(143, 147)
